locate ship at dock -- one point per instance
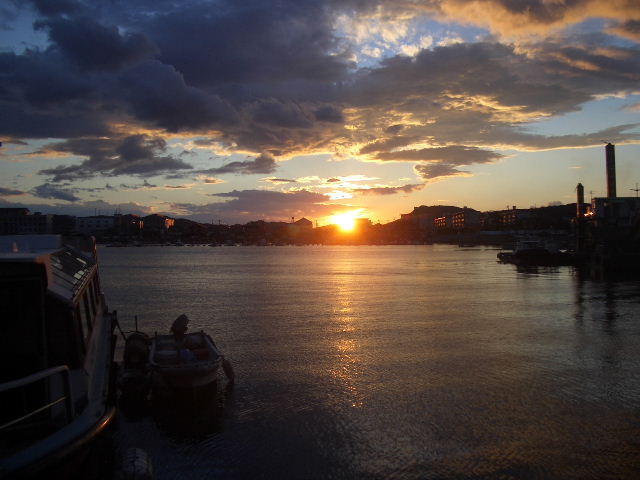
(57, 376)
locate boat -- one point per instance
(536, 252)
(57, 342)
(181, 360)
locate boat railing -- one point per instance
(49, 373)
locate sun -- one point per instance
(346, 221)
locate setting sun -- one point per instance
(346, 221)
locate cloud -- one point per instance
(9, 192)
(279, 180)
(629, 29)
(526, 17)
(389, 190)
(213, 181)
(439, 171)
(130, 155)
(93, 46)
(245, 205)
(278, 80)
(454, 154)
(82, 209)
(145, 185)
(263, 163)
(56, 193)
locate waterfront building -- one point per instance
(467, 218)
(95, 224)
(20, 221)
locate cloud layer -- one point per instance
(116, 80)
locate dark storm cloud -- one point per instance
(157, 93)
(389, 190)
(281, 114)
(249, 42)
(56, 193)
(131, 155)
(263, 163)
(56, 7)
(9, 192)
(329, 113)
(265, 76)
(93, 46)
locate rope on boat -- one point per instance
(115, 317)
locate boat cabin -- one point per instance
(53, 348)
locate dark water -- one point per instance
(388, 362)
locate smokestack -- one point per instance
(579, 200)
(611, 170)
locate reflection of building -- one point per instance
(94, 224)
(19, 221)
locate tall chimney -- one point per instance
(579, 200)
(611, 170)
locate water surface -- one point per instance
(388, 362)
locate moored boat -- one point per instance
(183, 360)
(535, 252)
(56, 352)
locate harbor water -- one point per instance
(387, 362)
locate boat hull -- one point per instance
(191, 362)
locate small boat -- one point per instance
(57, 376)
(535, 252)
(185, 360)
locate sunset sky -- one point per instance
(235, 111)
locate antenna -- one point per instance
(635, 189)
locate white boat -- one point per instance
(56, 353)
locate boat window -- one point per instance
(21, 329)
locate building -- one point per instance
(94, 224)
(129, 225)
(466, 219)
(616, 211)
(20, 221)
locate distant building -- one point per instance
(619, 211)
(95, 224)
(303, 223)
(20, 221)
(128, 225)
(465, 219)
(63, 224)
(443, 222)
(157, 226)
